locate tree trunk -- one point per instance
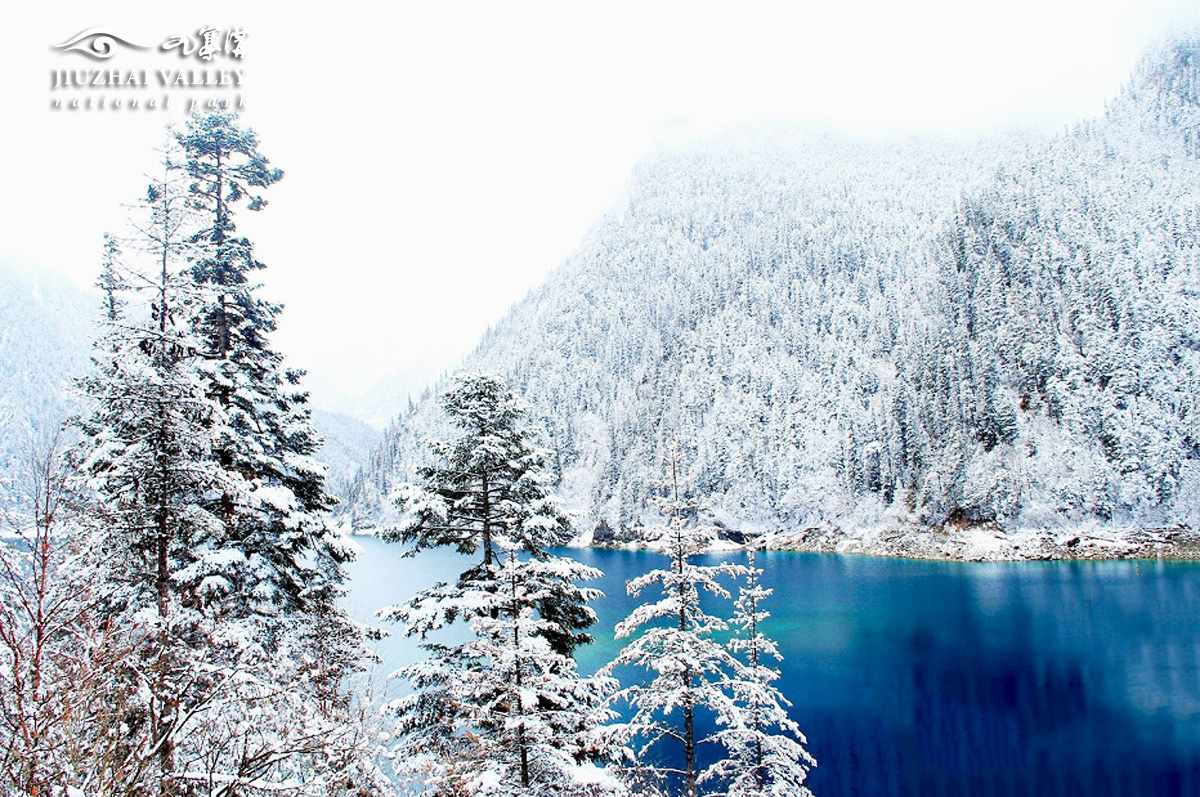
(522, 747)
(162, 581)
(524, 756)
(689, 744)
(485, 509)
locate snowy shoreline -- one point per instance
(970, 543)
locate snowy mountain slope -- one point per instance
(45, 324)
(46, 328)
(853, 334)
(393, 394)
(1071, 293)
(709, 313)
(347, 444)
(379, 404)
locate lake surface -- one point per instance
(932, 678)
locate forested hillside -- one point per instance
(346, 443)
(849, 334)
(45, 324)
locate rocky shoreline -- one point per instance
(993, 544)
(966, 543)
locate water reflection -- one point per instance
(1024, 678)
(930, 678)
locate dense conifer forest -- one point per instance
(844, 333)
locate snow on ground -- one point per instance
(968, 542)
(990, 543)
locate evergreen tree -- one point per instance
(147, 455)
(274, 505)
(215, 553)
(282, 562)
(764, 746)
(548, 711)
(111, 281)
(690, 668)
(503, 713)
(492, 490)
(510, 695)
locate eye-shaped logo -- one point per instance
(97, 43)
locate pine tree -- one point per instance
(509, 699)
(764, 746)
(492, 490)
(281, 561)
(146, 454)
(549, 711)
(215, 551)
(503, 713)
(690, 668)
(110, 281)
(274, 507)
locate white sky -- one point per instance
(441, 158)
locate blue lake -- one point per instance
(932, 678)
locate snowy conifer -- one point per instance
(765, 753)
(282, 557)
(110, 281)
(513, 714)
(504, 711)
(147, 455)
(547, 709)
(278, 563)
(690, 668)
(493, 490)
(214, 549)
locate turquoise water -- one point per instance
(932, 678)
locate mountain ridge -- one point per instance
(861, 334)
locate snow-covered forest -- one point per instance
(171, 578)
(45, 325)
(777, 329)
(848, 334)
(505, 711)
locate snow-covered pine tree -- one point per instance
(146, 454)
(494, 487)
(765, 752)
(492, 497)
(690, 668)
(532, 713)
(281, 567)
(274, 512)
(502, 712)
(213, 546)
(549, 712)
(110, 280)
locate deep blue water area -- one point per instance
(932, 678)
